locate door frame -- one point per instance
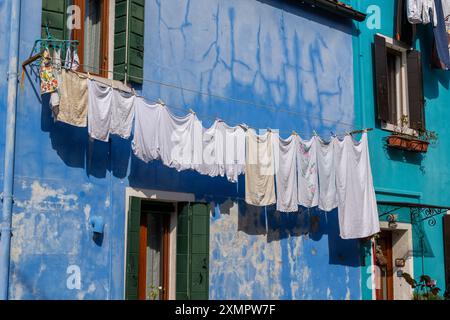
(161, 196)
(402, 247)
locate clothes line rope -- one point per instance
(240, 101)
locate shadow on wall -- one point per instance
(77, 150)
(311, 223)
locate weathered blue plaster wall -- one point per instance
(406, 177)
(275, 54)
(266, 52)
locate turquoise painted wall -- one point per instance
(399, 176)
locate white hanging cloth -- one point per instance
(234, 151)
(308, 180)
(421, 12)
(259, 175)
(161, 135)
(122, 114)
(358, 212)
(145, 143)
(327, 175)
(100, 98)
(286, 175)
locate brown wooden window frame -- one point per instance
(79, 35)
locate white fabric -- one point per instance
(358, 212)
(176, 140)
(72, 60)
(122, 114)
(223, 151)
(308, 180)
(286, 175)
(145, 144)
(235, 160)
(162, 135)
(213, 152)
(259, 176)
(99, 110)
(418, 11)
(327, 175)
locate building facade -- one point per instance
(269, 64)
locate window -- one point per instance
(93, 36)
(150, 251)
(399, 88)
(100, 33)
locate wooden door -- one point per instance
(154, 245)
(385, 289)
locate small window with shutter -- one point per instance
(399, 87)
(103, 24)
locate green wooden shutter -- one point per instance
(193, 252)
(132, 267)
(54, 17)
(129, 40)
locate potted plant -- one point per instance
(403, 140)
(424, 289)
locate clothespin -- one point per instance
(315, 133)
(294, 133)
(244, 126)
(333, 134)
(112, 83)
(133, 92)
(192, 111)
(161, 102)
(89, 75)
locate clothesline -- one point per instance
(290, 173)
(333, 134)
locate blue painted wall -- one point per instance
(406, 177)
(294, 59)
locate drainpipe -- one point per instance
(10, 134)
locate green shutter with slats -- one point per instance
(54, 17)
(132, 264)
(193, 252)
(129, 40)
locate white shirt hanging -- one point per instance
(308, 181)
(122, 114)
(145, 143)
(99, 110)
(327, 175)
(286, 175)
(358, 212)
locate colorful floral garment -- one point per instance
(48, 81)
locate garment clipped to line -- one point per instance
(327, 174)
(122, 113)
(73, 107)
(223, 151)
(260, 171)
(308, 180)
(169, 138)
(55, 97)
(286, 175)
(358, 212)
(49, 83)
(99, 110)
(421, 12)
(72, 61)
(145, 143)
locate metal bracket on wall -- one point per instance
(418, 212)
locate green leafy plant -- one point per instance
(424, 289)
(153, 293)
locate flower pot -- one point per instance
(419, 145)
(407, 143)
(398, 142)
